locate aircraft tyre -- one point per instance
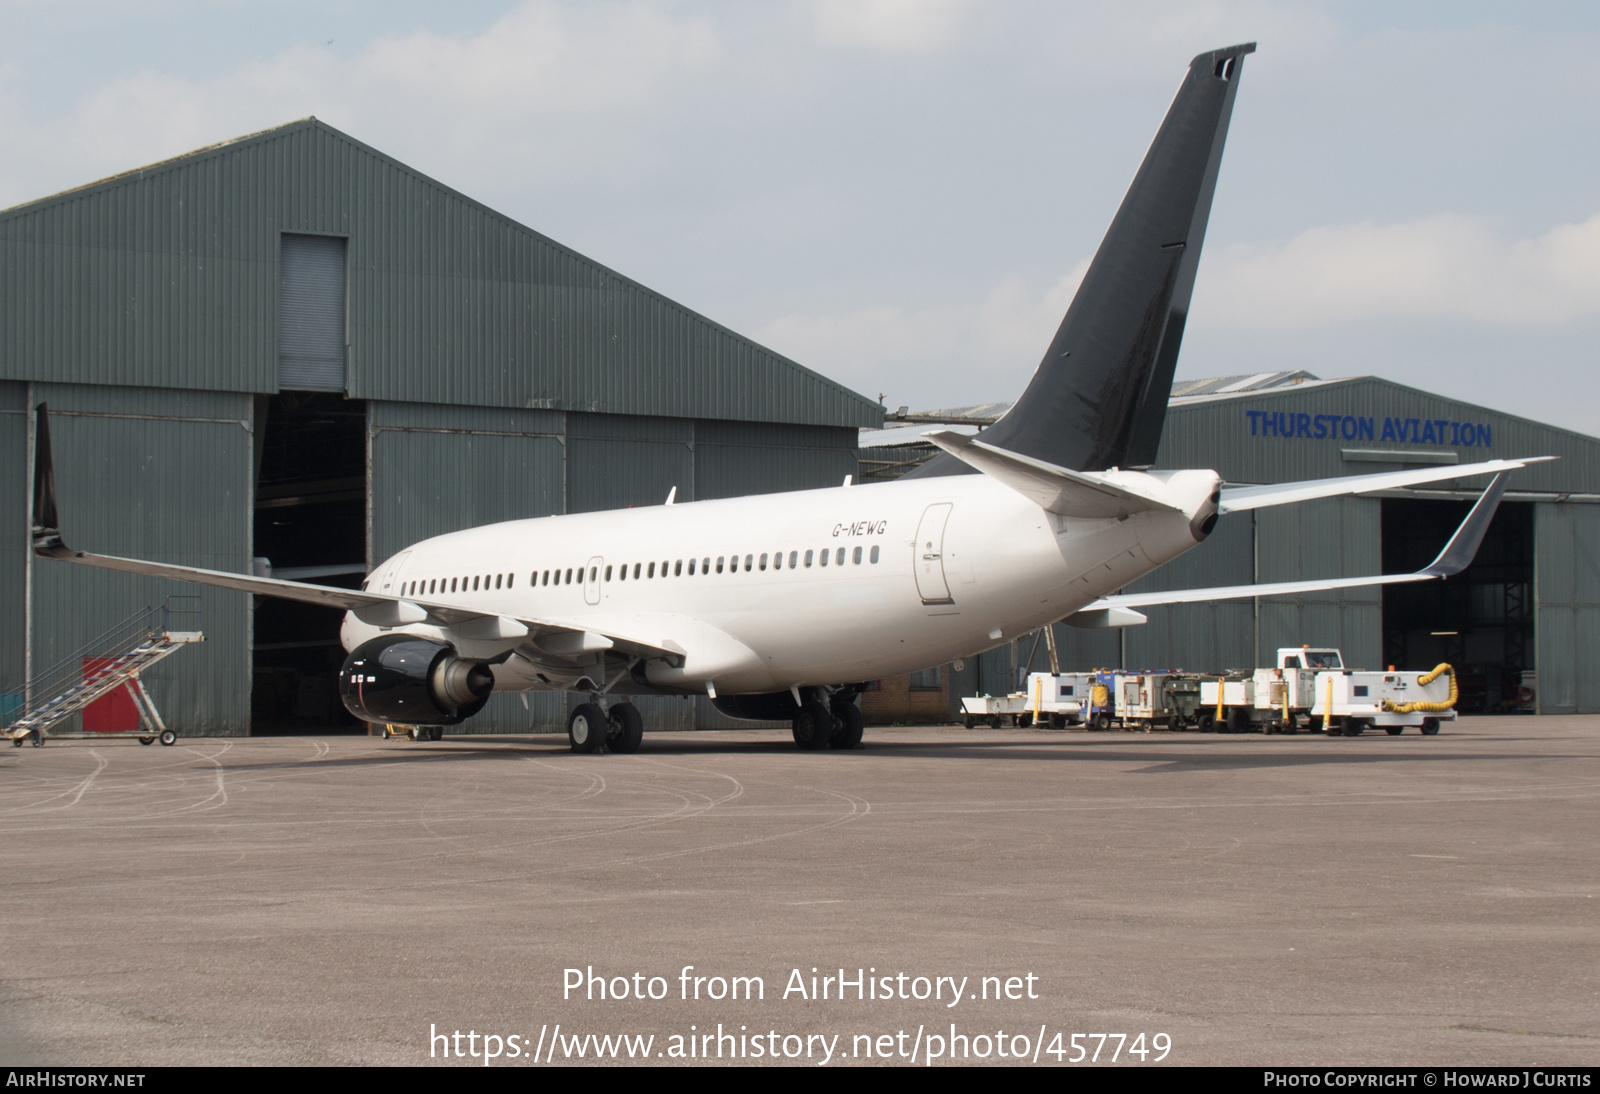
(587, 728)
(851, 727)
(812, 726)
(627, 729)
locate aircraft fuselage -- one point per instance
(814, 587)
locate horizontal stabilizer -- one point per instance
(1055, 489)
(1236, 498)
(1456, 556)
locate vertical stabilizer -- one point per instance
(1099, 397)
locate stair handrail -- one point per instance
(120, 641)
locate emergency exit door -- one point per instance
(927, 554)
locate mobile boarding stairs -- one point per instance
(114, 660)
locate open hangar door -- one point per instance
(310, 525)
(1482, 620)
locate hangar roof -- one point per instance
(167, 276)
(1285, 426)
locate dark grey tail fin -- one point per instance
(1099, 397)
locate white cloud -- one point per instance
(895, 25)
(522, 95)
(1444, 267)
(992, 345)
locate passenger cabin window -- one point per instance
(636, 566)
(720, 559)
(747, 560)
(569, 575)
(794, 556)
(652, 572)
(838, 559)
(855, 556)
(608, 573)
(825, 554)
(677, 568)
(691, 567)
(594, 572)
(808, 559)
(705, 566)
(763, 561)
(874, 557)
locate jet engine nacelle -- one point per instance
(406, 680)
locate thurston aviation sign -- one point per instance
(1350, 427)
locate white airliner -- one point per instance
(778, 606)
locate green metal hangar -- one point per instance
(1525, 615)
(291, 352)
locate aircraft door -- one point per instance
(927, 554)
(591, 580)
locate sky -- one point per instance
(902, 194)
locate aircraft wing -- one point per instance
(375, 609)
(1456, 556)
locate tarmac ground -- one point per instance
(1256, 900)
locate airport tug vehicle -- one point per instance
(1311, 688)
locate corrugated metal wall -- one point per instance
(441, 469)
(1216, 433)
(732, 459)
(14, 508)
(1567, 589)
(160, 475)
(1200, 637)
(614, 462)
(168, 277)
(1334, 537)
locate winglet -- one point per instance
(46, 522)
(1463, 546)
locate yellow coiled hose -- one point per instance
(1427, 708)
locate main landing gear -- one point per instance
(590, 728)
(818, 725)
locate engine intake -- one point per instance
(406, 680)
